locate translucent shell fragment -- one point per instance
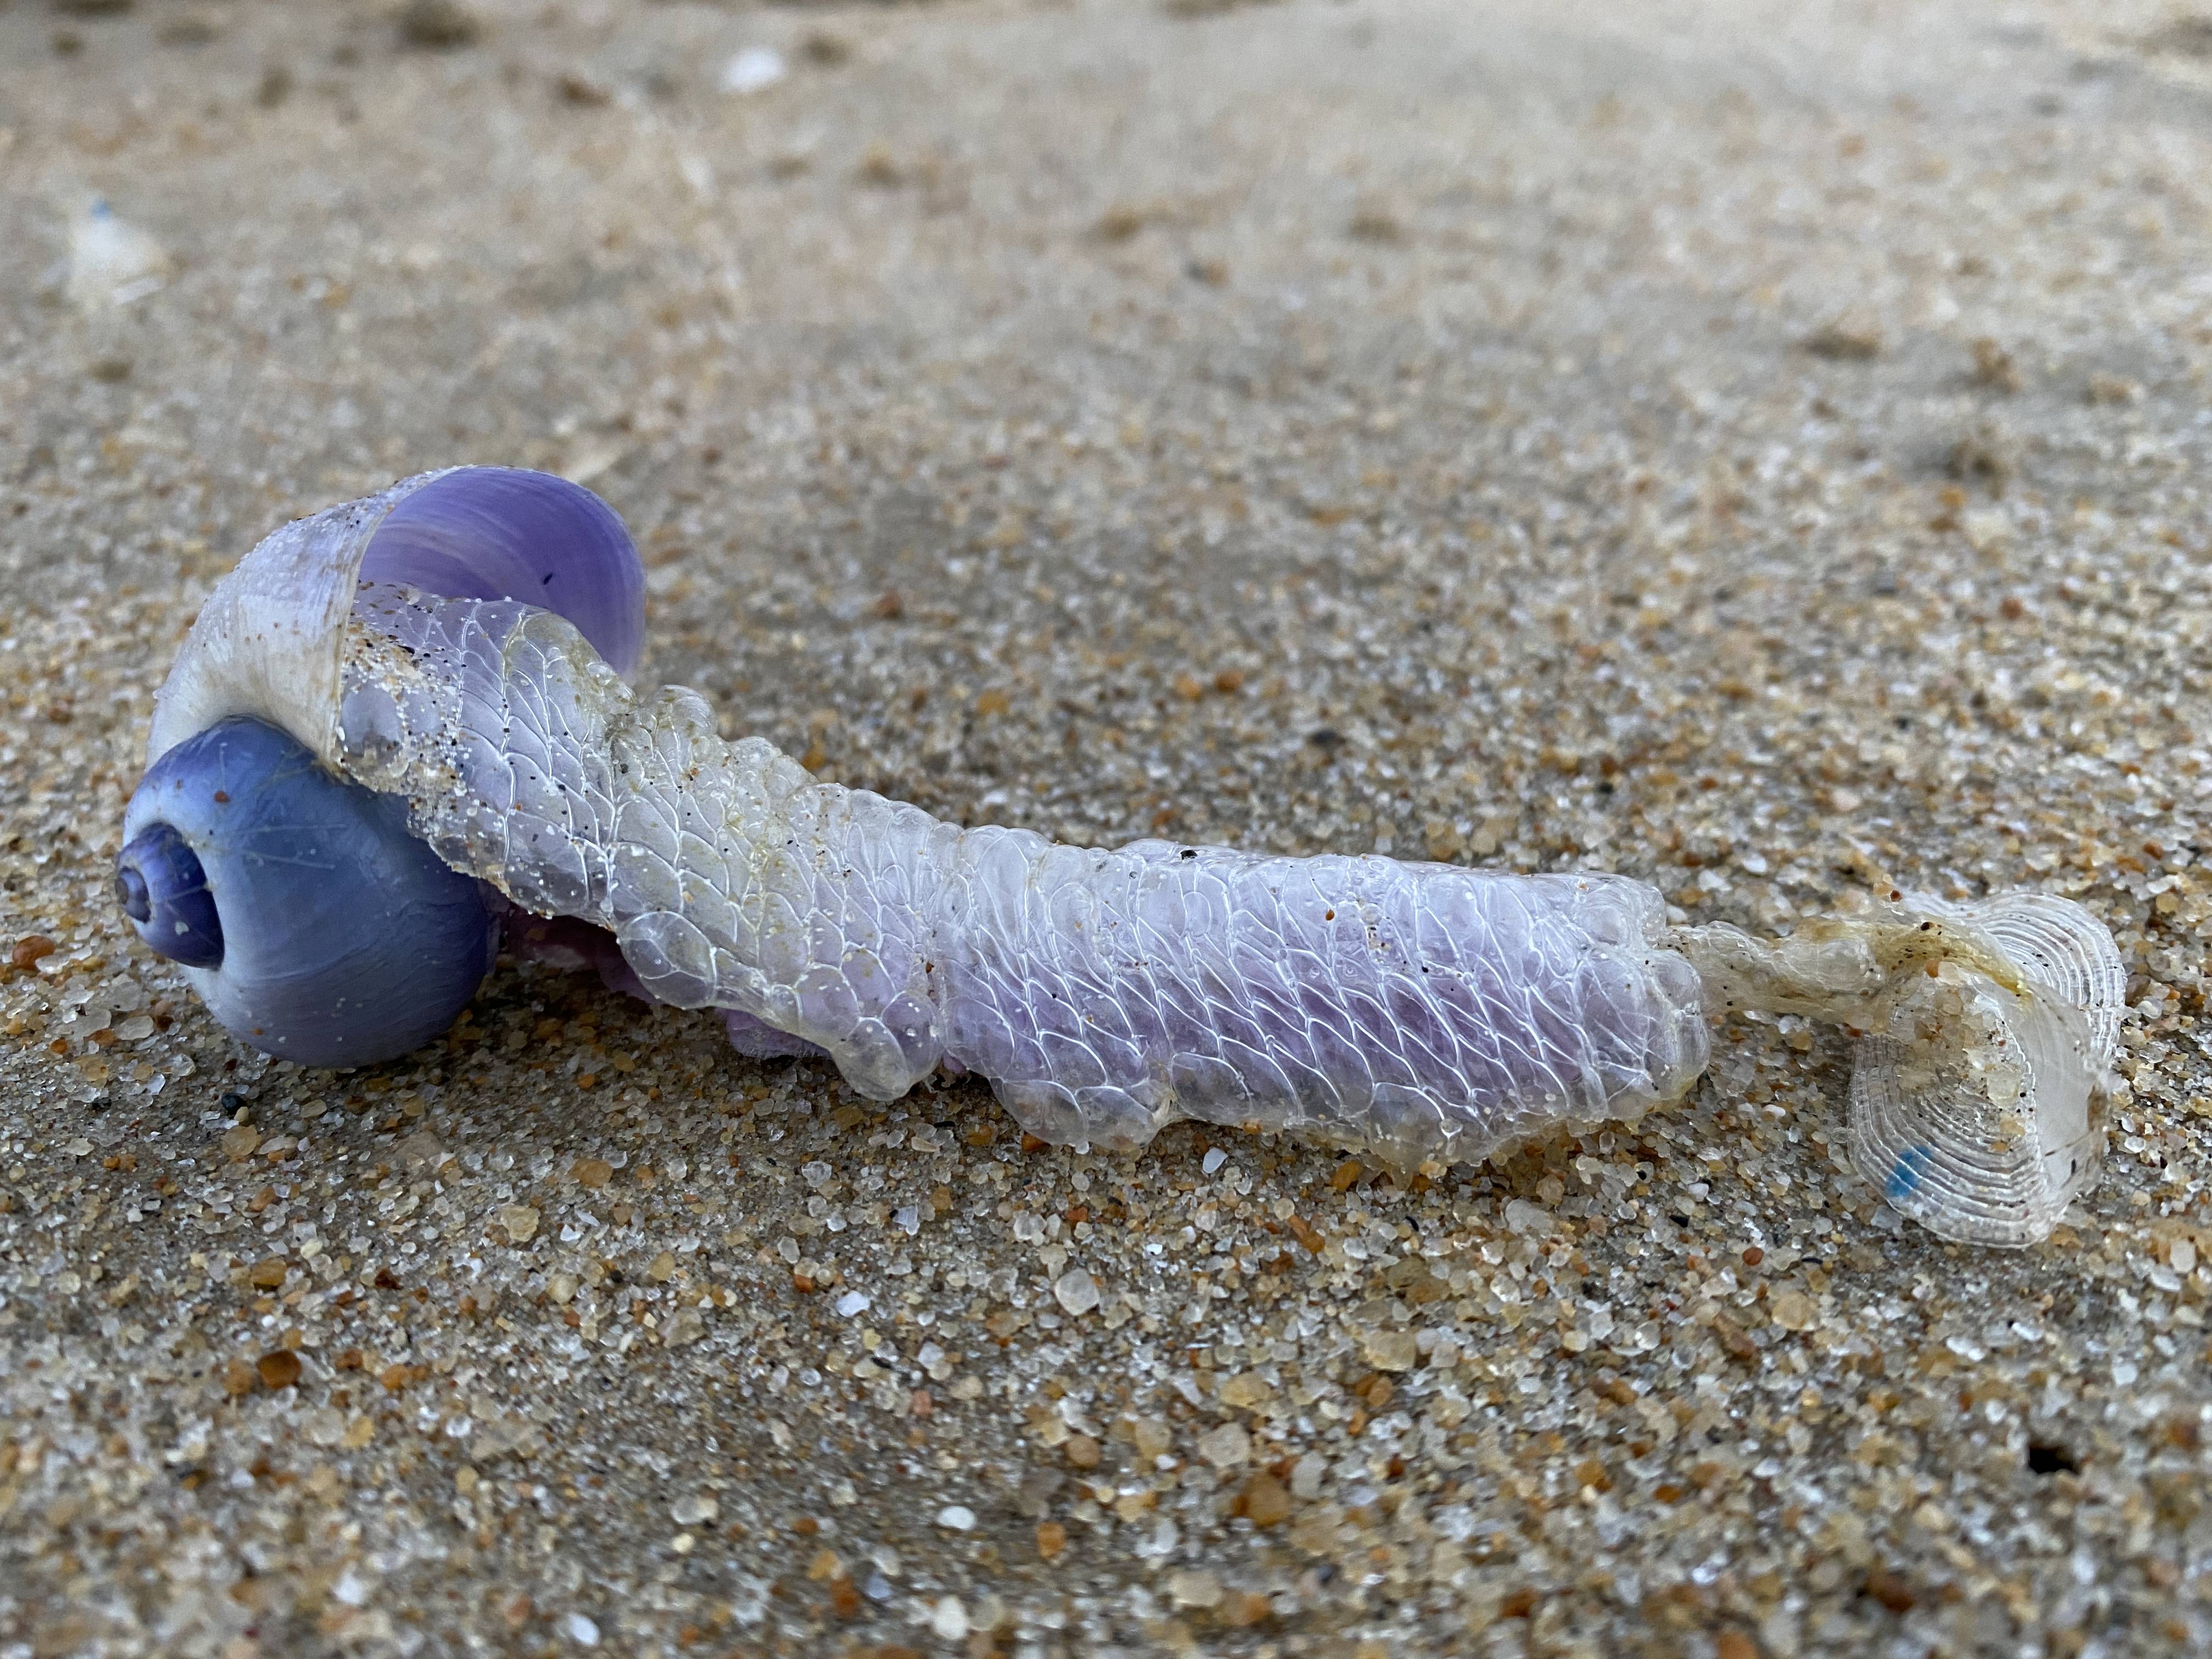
(1988, 1029)
(1979, 1106)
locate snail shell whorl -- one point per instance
(163, 888)
(497, 532)
(313, 924)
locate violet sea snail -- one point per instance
(349, 941)
(423, 697)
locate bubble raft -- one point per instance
(1420, 1011)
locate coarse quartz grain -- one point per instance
(1751, 448)
(1076, 1290)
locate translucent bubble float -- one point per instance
(439, 655)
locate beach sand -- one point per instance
(1753, 446)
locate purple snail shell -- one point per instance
(498, 533)
(315, 925)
